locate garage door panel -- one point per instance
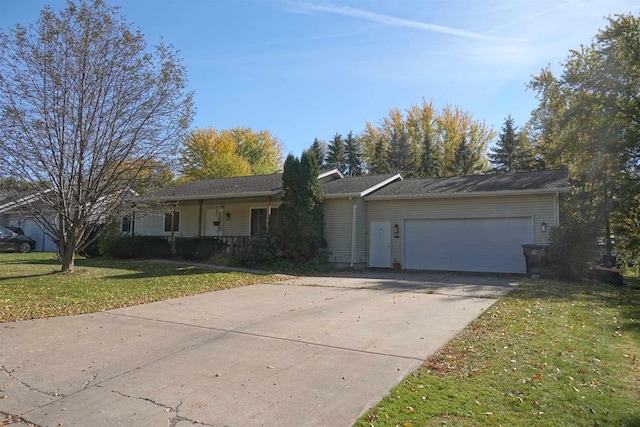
(478, 244)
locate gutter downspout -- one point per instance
(353, 232)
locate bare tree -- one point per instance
(85, 107)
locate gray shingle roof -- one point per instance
(355, 185)
(239, 186)
(538, 181)
(265, 185)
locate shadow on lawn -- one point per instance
(139, 269)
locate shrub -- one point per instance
(572, 246)
(260, 252)
(126, 247)
(198, 248)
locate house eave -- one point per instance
(216, 196)
(471, 194)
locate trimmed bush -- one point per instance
(198, 248)
(260, 252)
(127, 247)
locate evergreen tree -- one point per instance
(299, 224)
(379, 162)
(319, 149)
(525, 157)
(429, 165)
(464, 162)
(401, 153)
(504, 155)
(353, 155)
(336, 153)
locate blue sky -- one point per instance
(310, 69)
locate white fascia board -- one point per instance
(217, 196)
(329, 173)
(23, 201)
(380, 185)
(472, 194)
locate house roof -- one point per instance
(20, 199)
(357, 186)
(374, 187)
(238, 186)
(506, 183)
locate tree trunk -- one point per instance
(68, 258)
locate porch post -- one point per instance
(268, 212)
(200, 202)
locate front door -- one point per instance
(380, 244)
(213, 222)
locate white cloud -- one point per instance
(391, 20)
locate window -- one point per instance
(125, 224)
(176, 221)
(259, 220)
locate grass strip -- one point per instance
(31, 286)
(549, 354)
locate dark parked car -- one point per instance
(11, 241)
(16, 230)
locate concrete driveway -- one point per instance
(304, 352)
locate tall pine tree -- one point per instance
(464, 162)
(319, 149)
(504, 155)
(335, 154)
(429, 165)
(401, 153)
(353, 155)
(299, 228)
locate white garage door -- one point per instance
(476, 244)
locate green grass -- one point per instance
(32, 287)
(549, 354)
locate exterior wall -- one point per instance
(338, 231)
(238, 224)
(542, 208)
(362, 243)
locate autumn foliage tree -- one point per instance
(85, 108)
(209, 153)
(588, 120)
(423, 141)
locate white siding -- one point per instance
(338, 221)
(540, 207)
(238, 224)
(362, 248)
(338, 214)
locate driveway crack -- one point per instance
(10, 419)
(27, 386)
(174, 420)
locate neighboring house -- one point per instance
(13, 214)
(472, 223)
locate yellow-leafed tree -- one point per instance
(209, 153)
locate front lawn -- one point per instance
(32, 287)
(549, 353)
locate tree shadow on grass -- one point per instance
(139, 269)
